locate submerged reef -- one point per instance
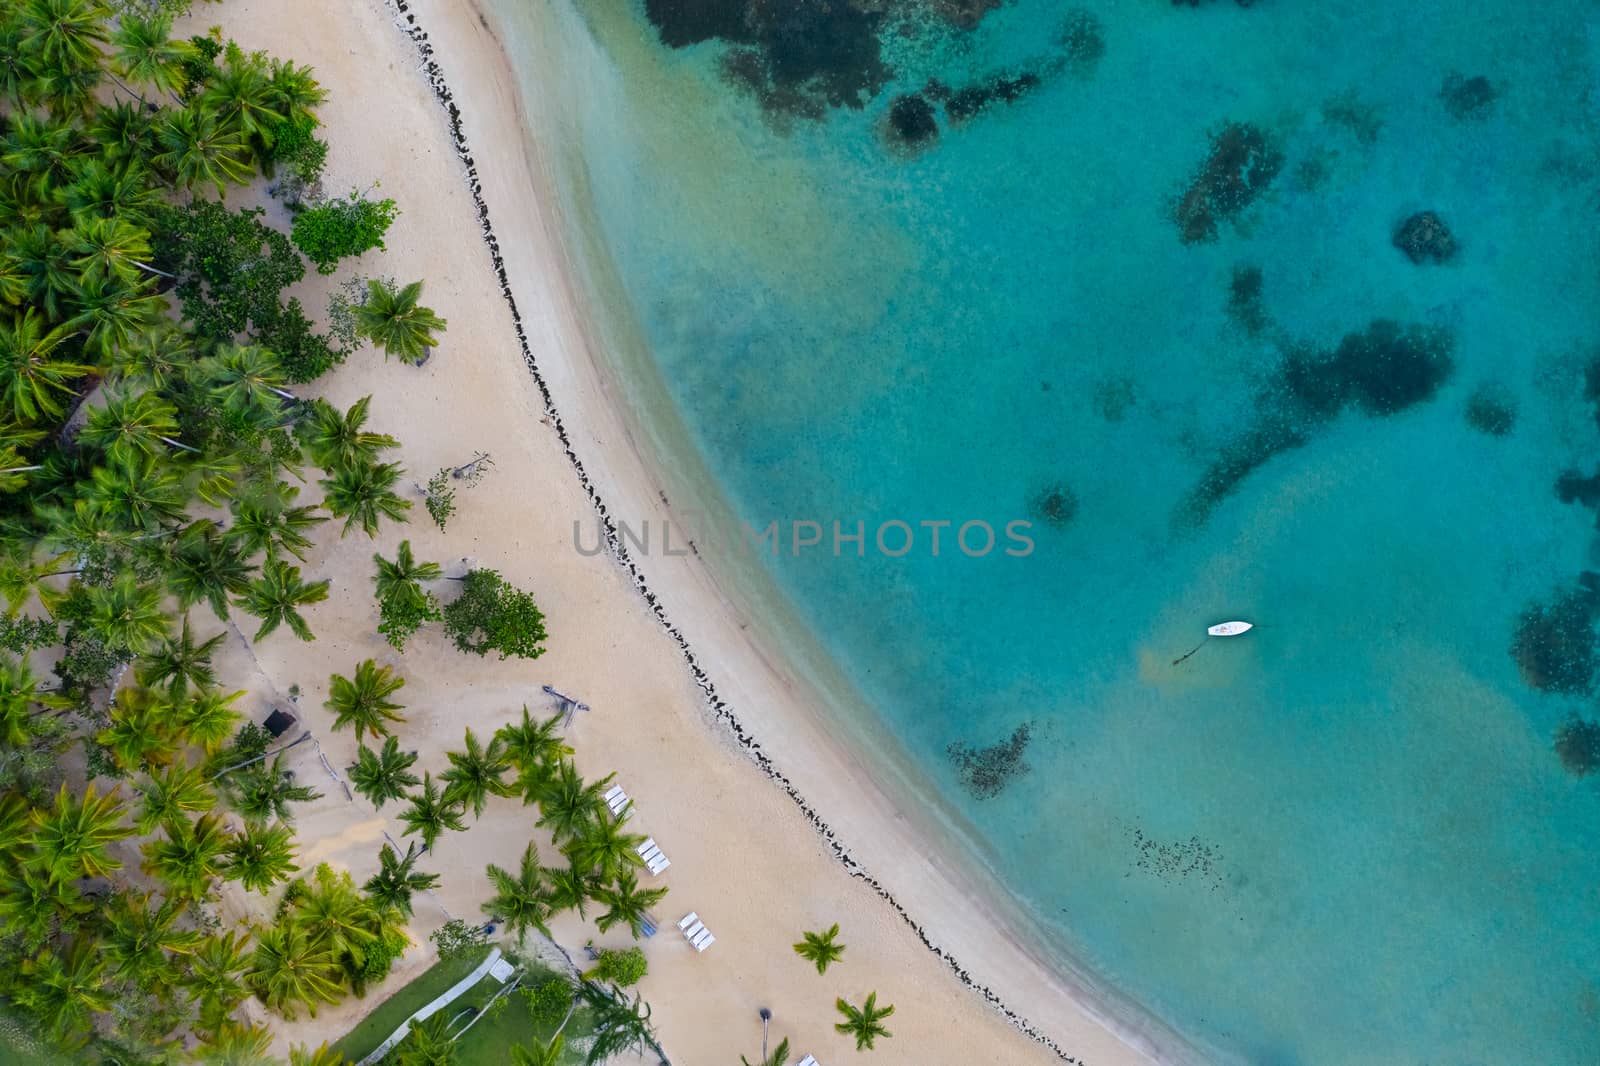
(1113, 396)
(1491, 410)
(1554, 643)
(1467, 98)
(985, 772)
(1054, 505)
(1241, 164)
(1578, 746)
(1350, 112)
(1000, 87)
(1178, 860)
(1082, 39)
(1425, 238)
(1238, 459)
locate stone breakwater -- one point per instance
(408, 23)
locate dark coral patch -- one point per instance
(1245, 306)
(911, 120)
(1054, 505)
(985, 772)
(1578, 746)
(968, 102)
(1425, 238)
(1383, 369)
(1082, 38)
(1554, 643)
(1241, 164)
(1238, 459)
(1491, 411)
(1468, 98)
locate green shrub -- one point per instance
(621, 968)
(298, 150)
(338, 229)
(548, 1002)
(493, 615)
(304, 354)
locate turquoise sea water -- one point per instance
(1346, 837)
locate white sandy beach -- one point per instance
(744, 855)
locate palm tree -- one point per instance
(19, 694)
(189, 857)
(322, 1055)
(404, 575)
(363, 493)
(65, 990)
(363, 702)
(157, 359)
(430, 1044)
(209, 718)
(536, 1053)
(295, 91)
(127, 614)
(64, 31)
(246, 380)
(429, 814)
(864, 1023)
(569, 888)
(48, 281)
(143, 729)
(264, 791)
(198, 149)
(72, 838)
(147, 54)
(620, 1025)
(137, 494)
(530, 744)
(107, 248)
(131, 426)
(397, 879)
(626, 903)
(779, 1056)
(243, 98)
(277, 596)
(141, 938)
(180, 663)
(337, 916)
(288, 969)
(520, 899)
(603, 846)
(821, 948)
(335, 440)
(177, 791)
(395, 321)
(233, 1044)
(477, 773)
(35, 908)
(260, 857)
(32, 379)
(111, 312)
(266, 521)
(216, 975)
(569, 805)
(385, 775)
(204, 564)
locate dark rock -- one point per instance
(911, 120)
(1468, 98)
(1244, 299)
(1578, 746)
(1425, 238)
(1242, 162)
(988, 770)
(1491, 411)
(1554, 643)
(1054, 505)
(1082, 38)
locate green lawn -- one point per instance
(488, 1043)
(376, 1027)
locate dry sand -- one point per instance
(744, 854)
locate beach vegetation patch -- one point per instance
(340, 229)
(986, 771)
(1241, 164)
(1491, 410)
(1578, 746)
(864, 1024)
(395, 320)
(1554, 642)
(439, 497)
(229, 267)
(491, 614)
(404, 606)
(821, 949)
(620, 967)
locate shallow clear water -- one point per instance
(1345, 837)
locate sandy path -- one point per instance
(743, 853)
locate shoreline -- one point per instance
(1151, 1041)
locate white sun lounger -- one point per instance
(704, 941)
(693, 928)
(807, 1061)
(613, 792)
(654, 860)
(618, 802)
(687, 920)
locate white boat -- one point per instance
(1229, 629)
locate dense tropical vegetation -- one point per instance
(152, 457)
